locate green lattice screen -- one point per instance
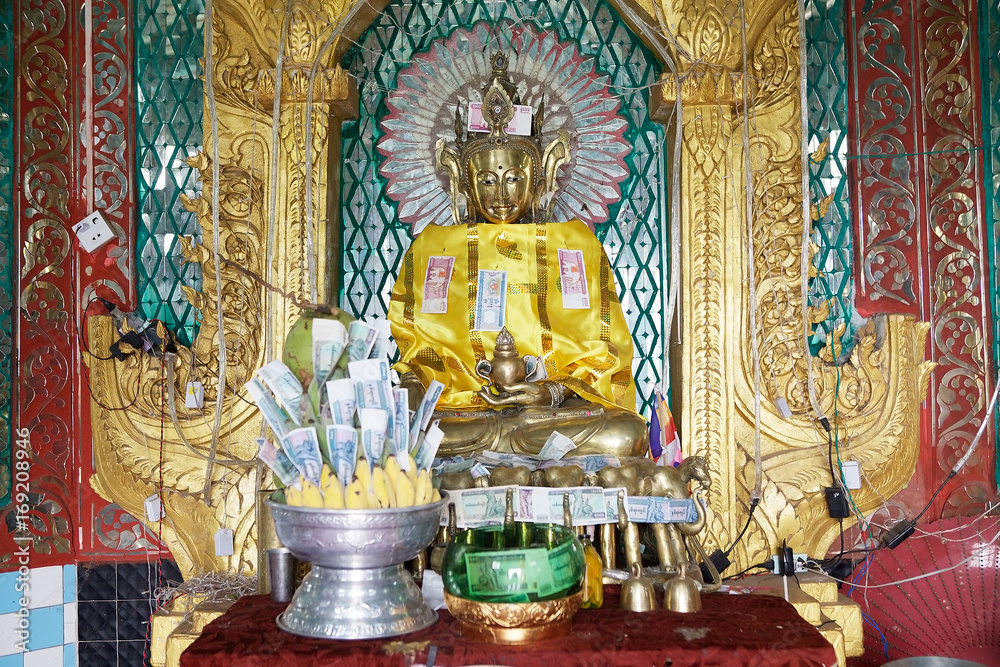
(168, 93)
(989, 54)
(827, 99)
(373, 239)
(6, 241)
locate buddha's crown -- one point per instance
(499, 98)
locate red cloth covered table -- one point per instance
(731, 630)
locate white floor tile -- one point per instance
(8, 638)
(47, 657)
(69, 623)
(46, 587)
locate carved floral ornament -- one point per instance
(882, 383)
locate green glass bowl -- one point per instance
(525, 562)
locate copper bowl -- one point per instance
(514, 622)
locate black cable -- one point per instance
(931, 501)
(753, 505)
(829, 456)
(752, 567)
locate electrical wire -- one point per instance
(885, 642)
(82, 324)
(968, 454)
(753, 505)
(766, 564)
(973, 556)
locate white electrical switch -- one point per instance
(224, 542)
(93, 231)
(195, 395)
(154, 508)
(852, 474)
(782, 405)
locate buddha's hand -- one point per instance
(522, 394)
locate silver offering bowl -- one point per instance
(357, 587)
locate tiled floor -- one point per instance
(87, 615)
(52, 617)
(115, 603)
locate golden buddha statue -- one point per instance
(509, 282)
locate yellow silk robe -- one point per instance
(587, 350)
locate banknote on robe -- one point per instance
(491, 300)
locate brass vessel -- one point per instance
(514, 622)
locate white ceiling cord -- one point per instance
(751, 261)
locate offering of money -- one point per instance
(276, 460)
(329, 340)
(360, 340)
(481, 507)
(302, 448)
(342, 443)
(453, 464)
(380, 350)
(507, 460)
(401, 422)
(556, 446)
(343, 400)
(286, 388)
(545, 505)
(425, 411)
(373, 429)
(589, 506)
(651, 509)
(428, 446)
(589, 463)
(269, 408)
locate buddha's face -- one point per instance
(502, 183)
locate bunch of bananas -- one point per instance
(373, 487)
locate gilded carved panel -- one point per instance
(876, 393)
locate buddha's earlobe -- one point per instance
(449, 162)
(556, 155)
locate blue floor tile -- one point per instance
(46, 624)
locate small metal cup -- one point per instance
(281, 572)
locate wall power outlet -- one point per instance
(800, 561)
(93, 231)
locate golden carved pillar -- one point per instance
(876, 394)
(138, 451)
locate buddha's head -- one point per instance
(503, 177)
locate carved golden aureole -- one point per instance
(881, 385)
